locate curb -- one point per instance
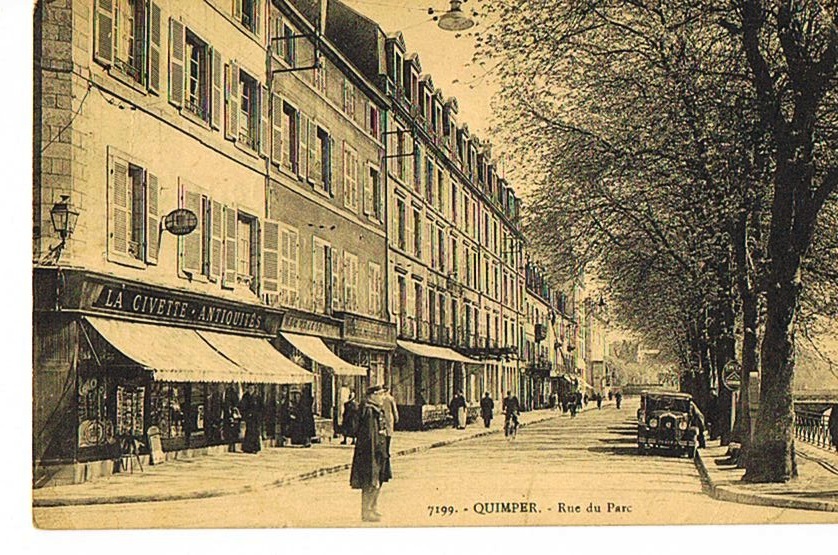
(288, 480)
(736, 495)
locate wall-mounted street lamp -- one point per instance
(64, 217)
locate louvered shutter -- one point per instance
(369, 195)
(216, 240)
(302, 157)
(313, 162)
(337, 273)
(255, 256)
(285, 261)
(264, 122)
(104, 27)
(177, 40)
(318, 275)
(230, 246)
(152, 188)
(276, 127)
(154, 47)
(190, 245)
(231, 92)
(277, 46)
(371, 288)
(270, 256)
(345, 168)
(294, 267)
(329, 161)
(119, 200)
(216, 108)
(257, 18)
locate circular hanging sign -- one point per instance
(731, 375)
(181, 221)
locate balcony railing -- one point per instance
(129, 70)
(423, 330)
(407, 327)
(812, 427)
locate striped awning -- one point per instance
(176, 354)
(432, 351)
(316, 350)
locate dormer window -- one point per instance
(414, 87)
(398, 69)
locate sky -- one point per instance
(447, 58)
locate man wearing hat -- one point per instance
(371, 461)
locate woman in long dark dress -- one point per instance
(303, 421)
(251, 409)
(349, 425)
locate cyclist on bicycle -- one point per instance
(511, 408)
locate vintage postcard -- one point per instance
(432, 263)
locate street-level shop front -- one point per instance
(369, 343)
(424, 380)
(340, 363)
(114, 359)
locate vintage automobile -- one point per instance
(668, 420)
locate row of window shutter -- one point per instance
(310, 162)
(223, 243)
(104, 24)
(120, 207)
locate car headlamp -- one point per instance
(682, 425)
(653, 422)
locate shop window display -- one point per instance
(95, 421)
(167, 408)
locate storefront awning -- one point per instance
(316, 350)
(432, 351)
(171, 353)
(262, 361)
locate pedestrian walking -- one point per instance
(598, 397)
(511, 409)
(554, 401)
(487, 408)
(285, 420)
(618, 398)
(349, 424)
(303, 428)
(370, 462)
(457, 406)
(232, 417)
(579, 399)
(833, 424)
(251, 407)
(391, 415)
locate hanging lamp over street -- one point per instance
(454, 19)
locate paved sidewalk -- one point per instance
(234, 473)
(815, 488)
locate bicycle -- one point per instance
(510, 427)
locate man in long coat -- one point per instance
(487, 407)
(370, 462)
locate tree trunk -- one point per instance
(772, 457)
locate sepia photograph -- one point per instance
(364, 264)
